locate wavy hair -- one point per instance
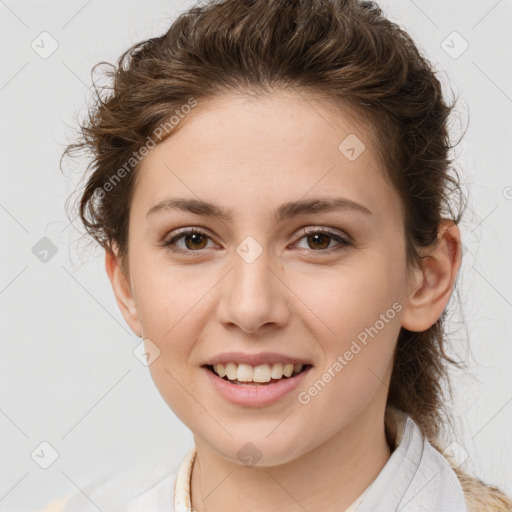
(344, 51)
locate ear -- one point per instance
(122, 291)
(433, 283)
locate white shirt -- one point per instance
(416, 478)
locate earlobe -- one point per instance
(434, 283)
(122, 291)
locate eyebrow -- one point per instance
(284, 212)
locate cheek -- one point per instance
(360, 322)
(356, 367)
(167, 299)
(173, 385)
(351, 297)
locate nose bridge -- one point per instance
(255, 295)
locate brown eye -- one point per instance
(319, 241)
(195, 241)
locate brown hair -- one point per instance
(346, 51)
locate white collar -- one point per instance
(416, 477)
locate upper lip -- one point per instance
(255, 359)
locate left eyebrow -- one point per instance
(320, 205)
(284, 212)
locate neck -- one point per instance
(328, 478)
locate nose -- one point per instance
(254, 295)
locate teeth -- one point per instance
(231, 371)
(261, 373)
(244, 373)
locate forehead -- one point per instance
(247, 152)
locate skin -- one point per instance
(251, 155)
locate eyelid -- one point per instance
(323, 229)
(344, 240)
(179, 233)
(184, 231)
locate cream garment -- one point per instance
(416, 478)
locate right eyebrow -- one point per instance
(196, 206)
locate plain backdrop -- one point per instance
(72, 394)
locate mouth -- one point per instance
(264, 379)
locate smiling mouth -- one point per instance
(304, 368)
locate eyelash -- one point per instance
(343, 242)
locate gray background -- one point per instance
(68, 376)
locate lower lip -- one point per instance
(255, 396)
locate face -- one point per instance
(255, 281)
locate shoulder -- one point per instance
(130, 489)
(479, 496)
(482, 497)
(56, 505)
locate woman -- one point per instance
(270, 182)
